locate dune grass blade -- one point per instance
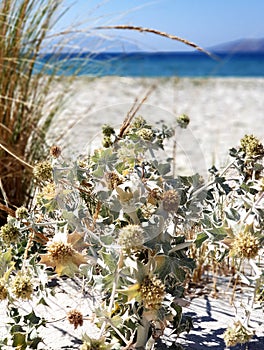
(24, 25)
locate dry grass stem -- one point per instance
(157, 32)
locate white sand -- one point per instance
(222, 111)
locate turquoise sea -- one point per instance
(158, 64)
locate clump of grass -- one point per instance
(23, 90)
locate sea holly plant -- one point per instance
(119, 220)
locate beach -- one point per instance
(221, 112)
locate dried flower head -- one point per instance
(21, 213)
(62, 255)
(43, 171)
(152, 292)
(22, 286)
(75, 317)
(145, 133)
(113, 180)
(9, 233)
(252, 146)
(245, 245)
(131, 238)
(237, 334)
(154, 195)
(55, 151)
(171, 201)
(3, 290)
(183, 121)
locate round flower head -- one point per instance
(62, 255)
(152, 292)
(139, 122)
(131, 238)
(9, 234)
(43, 171)
(21, 213)
(22, 286)
(55, 151)
(145, 133)
(245, 245)
(75, 317)
(237, 334)
(252, 146)
(108, 130)
(3, 290)
(95, 344)
(183, 121)
(171, 201)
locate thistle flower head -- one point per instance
(245, 245)
(171, 201)
(60, 251)
(237, 334)
(145, 133)
(131, 238)
(152, 292)
(9, 233)
(139, 122)
(63, 255)
(55, 151)
(22, 286)
(252, 146)
(43, 171)
(75, 317)
(3, 290)
(21, 213)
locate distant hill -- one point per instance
(240, 46)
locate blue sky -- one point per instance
(205, 22)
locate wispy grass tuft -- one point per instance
(24, 25)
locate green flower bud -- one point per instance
(252, 146)
(9, 234)
(108, 130)
(145, 133)
(21, 213)
(183, 121)
(22, 286)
